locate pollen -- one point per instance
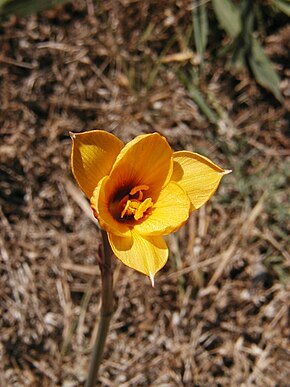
(133, 204)
(142, 208)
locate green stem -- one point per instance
(106, 312)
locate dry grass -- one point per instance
(219, 314)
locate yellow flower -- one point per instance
(141, 191)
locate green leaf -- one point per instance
(282, 5)
(263, 70)
(242, 42)
(200, 28)
(228, 16)
(2, 2)
(27, 7)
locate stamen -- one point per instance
(138, 188)
(130, 207)
(125, 208)
(133, 205)
(123, 201)
(143, 207)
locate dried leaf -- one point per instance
(178, 57)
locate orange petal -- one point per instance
(197, 175)
(170, 211)
(144, 254)
(93, 155)
(146, 160)
(100, 202)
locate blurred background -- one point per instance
(211, 76)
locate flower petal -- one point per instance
(146, 160)
(197, 175)
(144, 254)
(170, 212)
(100, 202)
(93, 155)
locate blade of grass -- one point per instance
(200, 28)
(282, 5)
(158, 63)
(84, 303)
(198, 98)
(2, 2)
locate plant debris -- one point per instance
(219, 312)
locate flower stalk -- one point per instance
(107, 308)
(139, 192)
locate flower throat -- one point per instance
(133, 205)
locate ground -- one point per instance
(219, 312)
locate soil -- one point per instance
(219, 312)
